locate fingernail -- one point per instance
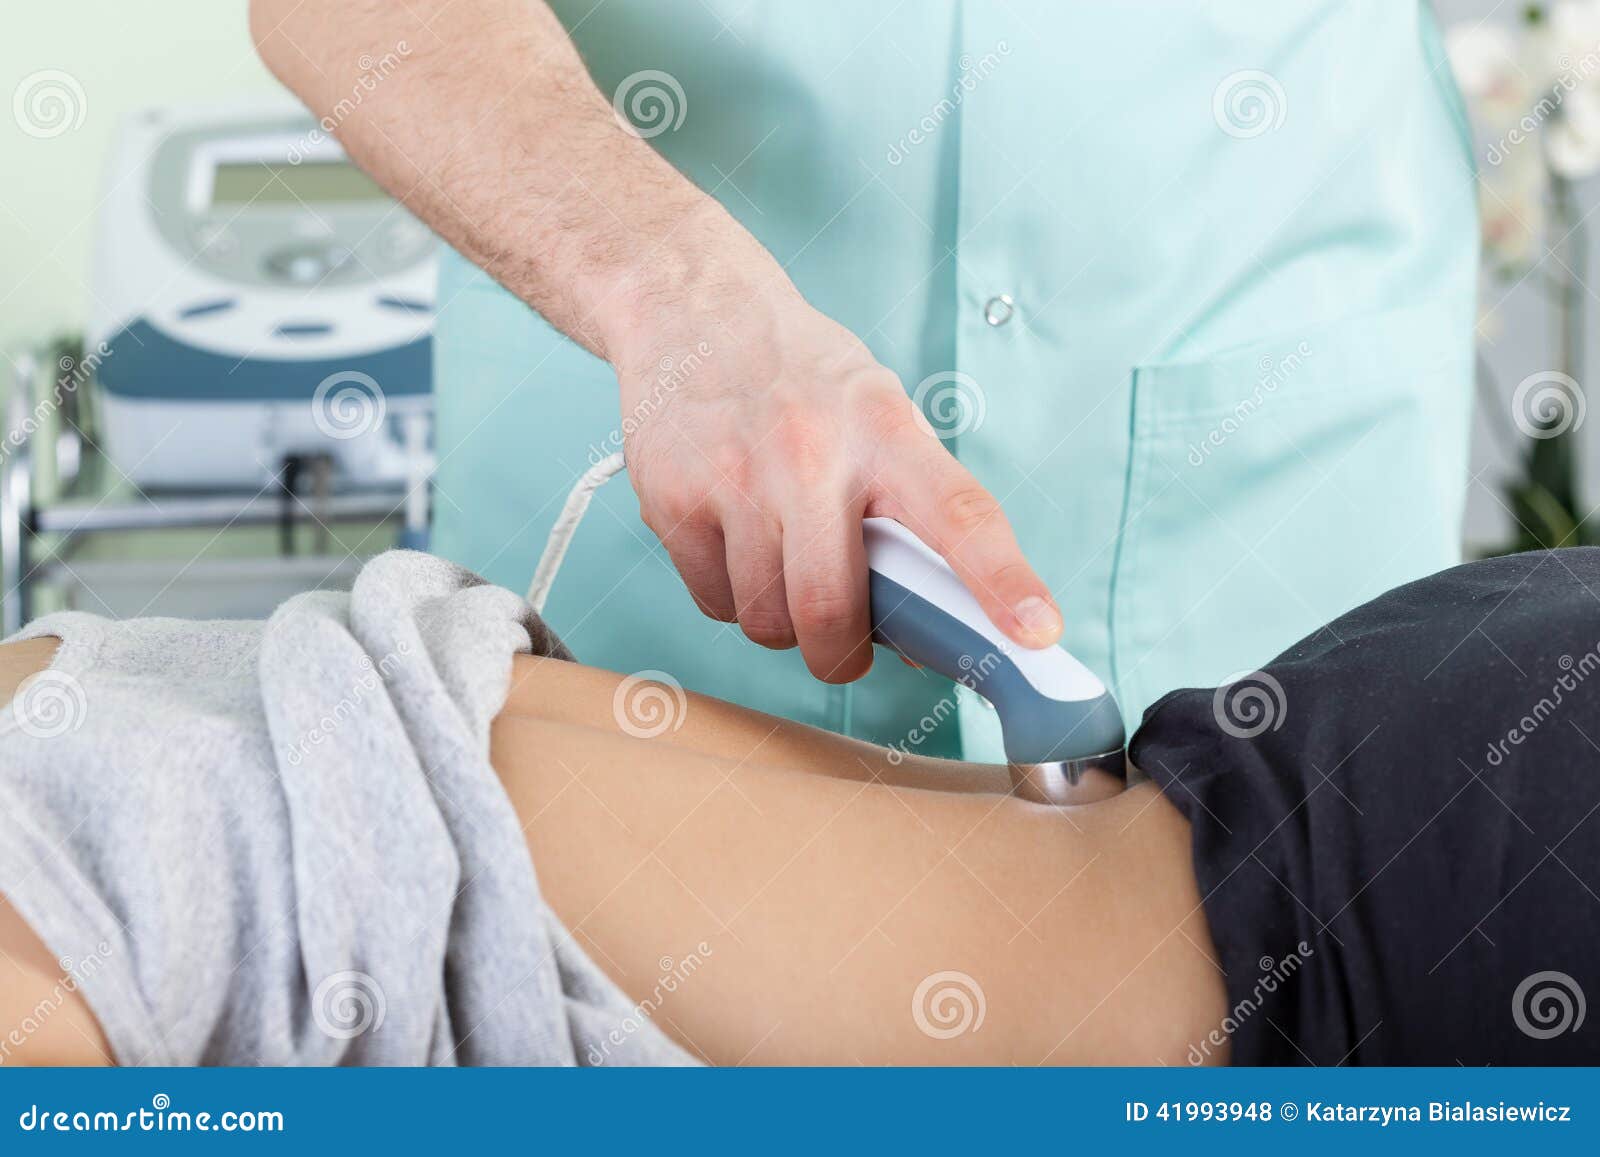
(1035, 614)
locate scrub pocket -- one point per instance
(1276, 486)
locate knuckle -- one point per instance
(713, 606)
(1011, 576)
(822, 608)
(731, 462)
(767, 628)
(806, 445)
(888, 415)
(699, 561)
(668, 514)
(968, 506)
(652, 517)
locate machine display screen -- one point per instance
(276, 183)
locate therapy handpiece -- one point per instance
(1057, 719)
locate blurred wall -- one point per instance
(122, 54)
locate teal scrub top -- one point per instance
(1189, 288)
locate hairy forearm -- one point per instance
(490, 130)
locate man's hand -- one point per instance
(759, 462)
(760, 433)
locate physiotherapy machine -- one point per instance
(258, 350)
(256, 297)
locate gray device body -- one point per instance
(1056, 718)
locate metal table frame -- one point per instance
(22, 521)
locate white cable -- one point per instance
(555, 547)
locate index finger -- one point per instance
(949, 509)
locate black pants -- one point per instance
(1396, 824)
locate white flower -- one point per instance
(1572, 140)
(1566, 41)
(1485, 60)
(1481, 55)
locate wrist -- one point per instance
(680, 287)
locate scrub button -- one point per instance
(998, 310)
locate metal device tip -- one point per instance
(1053, 783)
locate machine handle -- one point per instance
(1052, 708)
